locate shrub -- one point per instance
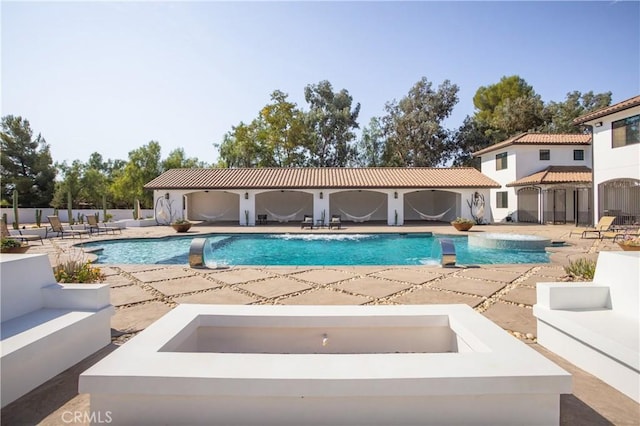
(9, 243)
(581, 269)
(75, 268)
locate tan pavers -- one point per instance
(236, 276)
(373, 287)
(129, 294)
(117, 280)
(275, 287)
(533, 280)
(524, 295)
(324, 276)
(162, 274)
(108, 271)
(223, 296)
(415, 276)
(364, 270)
(139, 268)
(286, 270)
(138, 317)
(469, 286)
(426, 296)
(184, 285)
(489, 274)
(324, 297)
(551, 271)
(521, 269)
(511, 317)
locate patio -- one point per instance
(503, 293)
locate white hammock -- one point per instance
(429, 217)
(215, 217)
(361, 218)
(284, 218)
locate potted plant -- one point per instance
(630, 244)
(181, 225)
(462, 224)
(10, 245)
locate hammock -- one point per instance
(429, 217)
(284, 218)
(214, 217)
(361, 218)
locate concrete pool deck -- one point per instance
(503, 293)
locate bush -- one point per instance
(76, 269)
(582, 269)
(10, 243)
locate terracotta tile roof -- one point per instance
(298, 178)
(620, 106)
(539, 139)
(556, 174)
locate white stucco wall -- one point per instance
(504, 176)
(612, 163)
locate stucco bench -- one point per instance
(596, 325)
(46, 327)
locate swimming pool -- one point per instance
(305, 249)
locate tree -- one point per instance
(508, 107)
(467, 139)
(560, 115)
(177, 159)
(142, 167)
(284, 133)
(330, 121)
(413, 126)
(26, 164)
(371, 147)
(240, 147)
(71, 183)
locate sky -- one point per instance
(110, 77)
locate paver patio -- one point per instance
(143, 293)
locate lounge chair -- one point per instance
(335, 222)
(262, 219)
(621, 235)
(603, 225)
(94, 225)
(20, 237)
(307, 221)
(56, 226)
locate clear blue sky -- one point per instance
(112, 76)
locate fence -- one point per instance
(28, 215)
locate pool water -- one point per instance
(304, 249)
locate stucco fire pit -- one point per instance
(293, 365)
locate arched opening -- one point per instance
(620, 198)
(284, 205)
(528, 205)
(213, 206)
(432, 205)
(359, 205)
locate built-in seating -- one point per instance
(596, 325)
(46, 327)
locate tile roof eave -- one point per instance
(612, 109)
(245, 188)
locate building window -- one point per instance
(501, 161)
(625, 132)
(545, 155)
(502, 200)
(578, 154)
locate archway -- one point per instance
(284, 205)
(432, 205)
(620, 198)
(359, 205)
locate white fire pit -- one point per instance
(294, 365)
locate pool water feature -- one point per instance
(305, 249)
